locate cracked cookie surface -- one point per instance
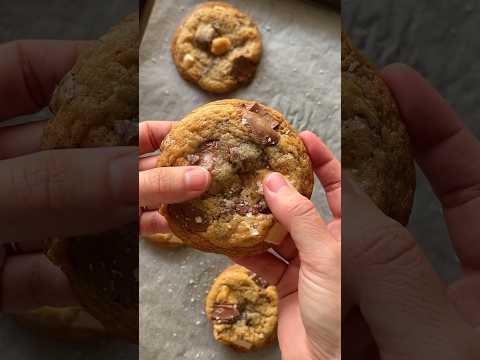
(243, 309)
(217, 47)
(375, 144)
(239, 142)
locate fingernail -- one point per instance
(196, 179)
(274, 182)
(124, 178)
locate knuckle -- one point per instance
(29, 76)
(389, 244)
(302, 208)
(42, 182)
(57, 187)
(163, 182)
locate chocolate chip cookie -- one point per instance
(217, 47)
(375, 144)
(239, 142)
(243, 308)
(164, 240)
(96, 104)
(62, 323)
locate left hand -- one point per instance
(44, 193)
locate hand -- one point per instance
(43, 194)
(309, 282)
(166, 185)
(407, 311)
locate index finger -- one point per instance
(30, 70)
(447, 152)
(151, 134)
(328, 170)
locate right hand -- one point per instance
(400, 305)
(309, 284)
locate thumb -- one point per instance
(387, 275)
(299, 216)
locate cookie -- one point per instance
(375, 144)
(217, 47)
(239, 142)
(96, 104)
(103, 272)
(164, 240)
(243, 308)
(62, 323)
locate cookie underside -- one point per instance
(375, 145)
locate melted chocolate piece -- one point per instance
(262, 125)
(260, 207)
(189, 217)
(225, 313)
(242, 69)
(259, 280)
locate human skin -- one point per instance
(310, 274)
(42, 192)
(395, 306)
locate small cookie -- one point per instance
(217, 47)
(243, 308)
(63, 323)
(239, 142)
(375, 144)
(164, 240)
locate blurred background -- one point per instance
(439, 39)
(66, 20)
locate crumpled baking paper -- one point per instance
(299, 75)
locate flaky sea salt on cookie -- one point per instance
(217, 47)
(243, 308)
(239, 142)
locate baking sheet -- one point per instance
(299, 75)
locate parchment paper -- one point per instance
(299, 75)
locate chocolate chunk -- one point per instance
(190, 217)
(127, 130)
(225, 313)
(243, 209)
(256, 108)
(262, 126)
(204, 35)
(259, 280)
(260, 207)
(242, 69)
(208, 155)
